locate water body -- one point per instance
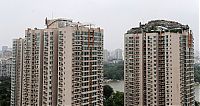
(116, 85)
(197, 92)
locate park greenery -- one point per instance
(107, 91)
(5, 91)
(114, 71)
(197, 72)
(197, 103)
(112, 98)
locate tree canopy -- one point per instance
(197, 72)
(107, 91)
(5, 91)
(114, 71)
(116, 99)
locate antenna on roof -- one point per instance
(46, 23)
(52, 15)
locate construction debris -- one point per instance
(158, 26)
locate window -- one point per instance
(51, 33)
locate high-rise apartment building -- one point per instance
(159, 58)
(106, 55)
(62, 65)
(117, 55)
(6, 53)
(4, 48)
(16, 72)
(32, 67)
(5, 67)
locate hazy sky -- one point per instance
(114, 16)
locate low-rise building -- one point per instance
(5, 67)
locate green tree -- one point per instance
(197, 72)
(197, 103)
(4, 91)
(116, 99)
(114, 71)
(107, 91)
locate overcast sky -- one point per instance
(114, 16)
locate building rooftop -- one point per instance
(62, 22)
(158, 26)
